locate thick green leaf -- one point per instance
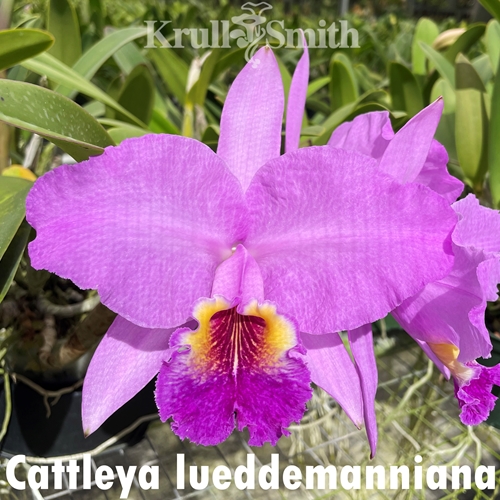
(52, 116)
(445, 133)
(173, 70)
(466, 76)
(63, 24)
(465, 41)
(128, 57)
(366, 108)
(405, 91)
(317, 84)
(494, 145)
(119, 134)
(137, 95)
(471, 126)
(443, 66)
(366, 79)
(99, 53)
(211, 136)
(13, 193)
(426, 31)
(492, 40)
(12, 257)
(343, 89)
(340, 56)
(482, 65)
(160, 124)
(58, 72)
(229, 60)
(493, 6)
(313, 131)
(318, 105)
(20, 44)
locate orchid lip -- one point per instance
(237, 370)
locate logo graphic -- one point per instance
(254, 31)
(250, 30)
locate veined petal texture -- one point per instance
(250, 128)
(127, 358)
(340, 244)
(146, 224)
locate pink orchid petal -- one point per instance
(341, 245)
(239, 278)
(408, 150)
(478, 226)
(332, 369)
(250, 128)
(125, 361)
(451, 310)
(368, 134)
(297, 101)
(474, 395)
(435, 175)
(146, 223)
(361, 342)
(371, 134)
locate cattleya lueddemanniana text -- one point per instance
(233, 272)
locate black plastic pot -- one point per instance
(31, 433)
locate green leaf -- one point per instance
(55, 70)
(63, 24)
(173, 71)
(12, 257)
(119, 134)
(426, 31)
(443, 66)
(492, 41)
(318, 105)
(20, 44)
(471, 126)
(160, 124)
(493, 6)
(343, 89)
(368, 80)
(445, 132)
(465, 41)
(405, 91)
(211, 136)
(128, 57)
(365, 108)
(229, 60)
(482, 65)
(332, 122)
(137, 95)
(466, 76)
(200, 88)
(494, 145)
(13, 192)
(52, 116)
(317, 84)
(340, 56)
(100, 52)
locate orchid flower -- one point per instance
(446, 317)
(229, 271)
